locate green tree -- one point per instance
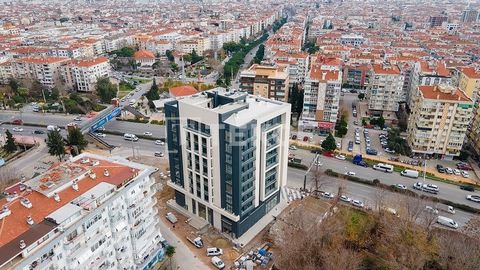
(37, 90)
(174, 67)
(194, 57)
(55, 144)
(53, 94)
(152, 94)
(259, 54)
(341, 127)
(170, 251)
(10, 145)
(329, 143)
(296, 99)
(23, 91)
(124, 52)
(106, 90)
(361, 96)
(169, 55)
(76, 139)
(13, 84)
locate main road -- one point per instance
(447, 191)
(369, 195)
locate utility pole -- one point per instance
(315, 162)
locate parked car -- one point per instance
(465, 174)
(440, 168)
(387, 150)
(159, 154)
(17, 129)
(294, 137)
(100, 135)
(305, 138)
(159, 142)
(409, 173)
(350, 173)
(401, 186)
(445, 221)
(457, 172)
(292, 147)
(37, 131)
(448, 170)
(147, 133)
(218, 263)
(171, 217)
(340, 157)
(17, 122)
(431, 210)
(214, 251)
(78, 119)
(198, 242)
(473, 198)
(345, 198)
(358, 203)
(418, 185)
(371, 151)
(467, 188)
(328, 195)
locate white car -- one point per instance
(350, 173)
(218, 262)
(146, 133)
(340, 157)
(465, 174)
(292, 147)
(100, 135)
(431, 209)
(17, 129)
(448, 170)
(78, 119)
(328, 195)
(214, 251)
(473, 198)
(418, 185)
(339, 145)
(401, 186)
(358, 203)
(159, 142)
(318, 163)
(456, 172)
(345, 198)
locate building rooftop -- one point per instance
(444, 92)
(79, 182)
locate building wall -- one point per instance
(384, 92)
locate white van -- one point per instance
(214, 251)
(445, 221)
(130, 137)
(52, 128)
(383, 167)
(409, 173)
(132, 102)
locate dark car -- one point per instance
(371, 151)
(294, 137)
(17, 122)
(467, 188)
(38, 132)
(440, 168)
(464, 167)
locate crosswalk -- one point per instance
(290, 194)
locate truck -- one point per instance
(198, 242)
(445, 221)
(409, 173)
(358, 160)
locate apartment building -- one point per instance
(199, 45)
(439, 120)
(352, 39)
(469, 82)
(90, 212)
(47, 70)
(322, 95)
(356, 75)
(297, 65)
(228, 155)
(427, 73)
(266, 81)
(82, 74)
(5, 72)
(384, 90)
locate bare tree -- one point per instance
(412, 207)
(8, 176)
(458, 251)
(379, 198)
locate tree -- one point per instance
(124, 52)
(13, 84)
(329, 143)
(76, 139)
(296, 99)
(195, 57)
(174, 67)
(55, 144)
(170, 251)
(361, 96)
(169, 55)
(10, 145)
(152, 94)
(106, 90)
(259, 54)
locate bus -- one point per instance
(383, 167)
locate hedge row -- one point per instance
(133, 120)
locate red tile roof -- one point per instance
(89, 62)
(471, 73)
(436, 92)
(143, 54)
(181, 91)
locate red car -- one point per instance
(17, 122)
(305, 139)
(464, 167)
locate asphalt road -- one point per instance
(364, 193)
(136, 128)
(40, 118)
(447, 191)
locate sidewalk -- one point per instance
(379, 159)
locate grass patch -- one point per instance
(140, 80)
(98, 107)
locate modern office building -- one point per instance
(228, 155)
(90, 212)
(266, 81)
(469, 15)
(439, 120)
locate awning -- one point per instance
(326, 125)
